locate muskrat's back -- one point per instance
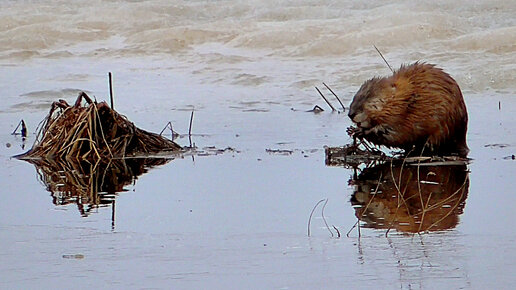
(419, 108)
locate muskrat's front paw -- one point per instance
(354, 132)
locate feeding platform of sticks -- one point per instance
(359, 152)
(92, 132)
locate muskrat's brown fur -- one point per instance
(419, 108)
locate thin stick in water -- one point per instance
(113, 216)
(383, 58)
(310, 218)
(337, 230)
(168, 125)
(329, 104)
(23, 129)
(111, 91)
(190, 128)
(354, 226)
(324, 219)
(359, 233)
(338, 99)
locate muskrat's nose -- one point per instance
(352, 114)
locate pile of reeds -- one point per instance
(92, 132)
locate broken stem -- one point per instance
(168, 125)
(329, 104)
(338, 99)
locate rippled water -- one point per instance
(248, 68)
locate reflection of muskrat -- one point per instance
(418, 107)
(433, 196)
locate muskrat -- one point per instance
(419, 108)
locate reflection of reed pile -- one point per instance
(87, 185)
(411, 197)
(92, 132)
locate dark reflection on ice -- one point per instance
(88, 185)
(410, 198)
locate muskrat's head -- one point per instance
(367, 101)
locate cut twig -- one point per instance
(383, 58)
(311, 213)
(329, 104)
(338, 99)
